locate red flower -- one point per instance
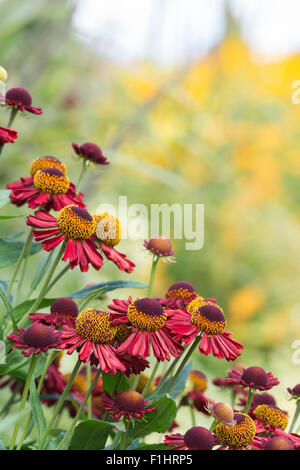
(63, 311)
(20, 99)
(159, 246)
(108, 231)
(200, 401)
(35, 339)
(91, 152)
(92, 337)
(196, 438)
(183, 291)
(51, 188)
(148, 321)
(254, 377)
(128, 403)
(203, 316)
(7, 136)
(75, 226)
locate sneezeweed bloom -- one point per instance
(63, 311)
(294, 392)
(92, 337)
(200, 401)
(205, 317)
(148, 320)
(198, 380)
(143, 380)
(181, 290)
(7, 136)
(161, 247)
(127, 404)
(271, 415)
(238, 436)
(35, 339)
(254, 377)
(258, 399)
(109, 232)
(91, 152)
(196, 438)
(51, 188)
(20, 99)
(74, 226)
(223, 413)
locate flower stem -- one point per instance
(249, 400)
(80, 409)
(21, 280)
(152, 274)
(82, 173)
(89, 400)
(166, 375)
(213, 425)
(45, 285)
(296, 415)
(150, 379)
(60, 403)
(24, 398)
(57, 278)
(193, 417)
(185, 360)
(124, 436)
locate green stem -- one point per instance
(89, 401)
(57, 278)
(60, 403)
(7, 406)
(80, 409)
(213, 425)
(26, 258)
(41, 381)
(24, 398)
(150, 379)
(135, 381)
(39, 276)
(249, 400)
(166, 375)
(296, 415)
(82, 173)
(152, 274)
(124, 436)
(193, 417)
(185, 360)
(45, 285)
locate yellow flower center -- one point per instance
(271, 415)
(108, 228)
(147, 314)
(46, 162)
(94, 325)
(238, 436)
(51, 180)
(207, 316)
(75, 222)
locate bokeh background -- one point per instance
(192, 103)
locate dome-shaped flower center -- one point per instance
(198, 438)
(272, 415)
(238, 436)
(51, 180)
(130, 400)
(91, 151)
(64, 307)
(181, 290)
(161, 246)
(38, 335)
(108, 228)
(147, 314)
(20, 95)
(255, 376)
(263, 399)
(207, 316)
(76, 223)
(279, 443)
(199, 380)
(46, 162)
(94, 325)
(223, 412)
(123, 332)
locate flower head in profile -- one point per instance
(239, 435)
(149, 329)
(35, 339)
(127, 404)
(254, 377)
(271, 415)
(108, 232)
(92, 338)
(182, 291)
(50, 188)
(223, 412)
(91, 152)
(63, 311)
(196, 438)
(7, 136)
(161, 247)
(21, 100)
(73, 226)
(205, 317)
(258, 399)
(294, 392)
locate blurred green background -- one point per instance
(221, 130)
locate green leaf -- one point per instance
(108, 286)
(178, 387)
(153, 447)
(11, 419)
(52, 445)
(92, 434)
(10, 251)
(24, 307)
(4, 197)
(37, 410)
(110, 381)
(8, 307)
(17, 366)
(159, 420)
(2, 446)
